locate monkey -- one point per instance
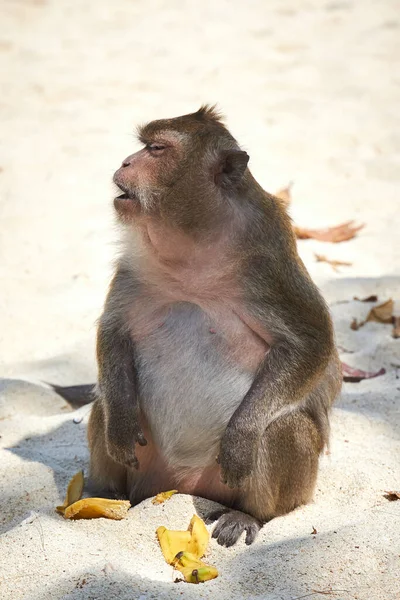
(217, 365)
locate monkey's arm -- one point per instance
(117, 375)
(286, 308)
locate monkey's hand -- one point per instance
(121, 440)
(237, 456)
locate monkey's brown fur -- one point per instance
(214, 341)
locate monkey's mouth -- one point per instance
(126, 194)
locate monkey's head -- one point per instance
(188, 171)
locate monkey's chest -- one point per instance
(194, 368)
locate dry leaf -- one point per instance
(285, 194)
(372, 298)
(355, 325)
(392, 496)
(352, 375)
(93, 508)
(396, 327)
(74, 492)
(193, 569)
(163, 496)
(339, 233)
(382, 313)
(334, 263)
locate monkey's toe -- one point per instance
(232, 524)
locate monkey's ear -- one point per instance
(230, 168)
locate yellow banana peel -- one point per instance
(163, 496)
(183, 550)
(172, 542)
(193, 569)
(74, 492)
(93, 508)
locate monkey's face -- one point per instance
(146, 177)
(186, 167)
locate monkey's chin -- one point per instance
(126, 206)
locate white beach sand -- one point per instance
(312, 90)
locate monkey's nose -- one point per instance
(127, 161)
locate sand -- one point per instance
(312, 91)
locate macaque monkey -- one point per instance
(216, 355)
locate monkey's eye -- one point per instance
(155, 148)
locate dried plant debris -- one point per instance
(333, 263)
(383, 313)
(285, 194)
(392, 496)
(339, 233)
(396, 327)
(90, 508)
(355, 325)
(314, 531)
(372, 298)
(184, 549)
(163, 496)
(74, 492)
(352, 375)
(93, 508)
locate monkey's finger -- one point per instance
(251, 532)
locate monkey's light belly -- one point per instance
(190, 384)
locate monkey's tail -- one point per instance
(76, 395)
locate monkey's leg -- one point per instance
(284, 477)
(107, 477)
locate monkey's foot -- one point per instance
(232, 524)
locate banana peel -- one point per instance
(90, 508)
(199, 537)
(93, 508)
(163, 496)
(172, 542)
(183, 550)
(74, 492)
(193, 569)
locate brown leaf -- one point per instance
(396, 327)
(285, 194)
(352, 375)
(354, 325)
(334, 263)
(339, 233)
(392, 496)
(382, 313)
(372, 298)
(314, 531)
